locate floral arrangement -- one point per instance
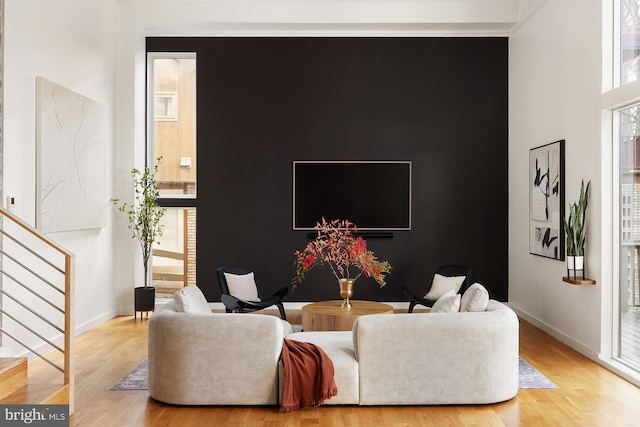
(345, 254)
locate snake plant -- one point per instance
(575, 226)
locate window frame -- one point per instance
(182, 201)
(615, 98)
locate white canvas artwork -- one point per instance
(71, 160)
(540, 188)
(546, 200)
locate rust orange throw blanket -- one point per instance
(308, 376)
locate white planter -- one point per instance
(575, 263)
(579, 263)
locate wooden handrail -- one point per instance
(34, 232)
(69, 310)
(69, 326)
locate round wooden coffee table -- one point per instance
(329, 316)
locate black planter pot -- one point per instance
(145, 298)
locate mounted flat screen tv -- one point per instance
(374, 195)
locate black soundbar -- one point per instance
(363, 234)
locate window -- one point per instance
(629, 41)
(629, 235)
(621, 65)
(165, 107)
(172, 136)
(172, 129)
(174, 259)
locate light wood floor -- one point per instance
(588, 394)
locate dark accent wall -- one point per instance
(265, 102)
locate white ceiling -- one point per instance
(447, 17)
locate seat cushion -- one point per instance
(339, 348)
(242, 286)
(190, 299)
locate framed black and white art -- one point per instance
(546, 200)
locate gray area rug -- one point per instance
(530, 377)
(138, 379)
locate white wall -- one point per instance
(554, 93)
(527, 8)
(72, 43)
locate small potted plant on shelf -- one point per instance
(575, 229)
(346, 255)
(144, 216)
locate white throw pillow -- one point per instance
(242, 286)
(476, 298)
(447, 303)
(442, 284)
(190, 299)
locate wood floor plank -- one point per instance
(588, 394)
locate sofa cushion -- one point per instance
(441, 284)
(286, 327)
(339, 348)
(478, 366)
(190, 299)
(214, 359)
(447, 303)
(475, 298)
(242, 286)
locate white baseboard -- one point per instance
(94, 322)
(612, 365)
(577, 345)
(59, 339)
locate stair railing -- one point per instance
(44, 273)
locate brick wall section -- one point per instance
(190, 245)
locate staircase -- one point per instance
(13, 375)
(36, 290)
(16, 387)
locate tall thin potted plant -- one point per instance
(576, 230)
(144, 216)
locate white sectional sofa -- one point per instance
(214, 358)
(399, 359)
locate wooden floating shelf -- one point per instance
(579, 281)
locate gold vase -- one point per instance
(346, 291)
